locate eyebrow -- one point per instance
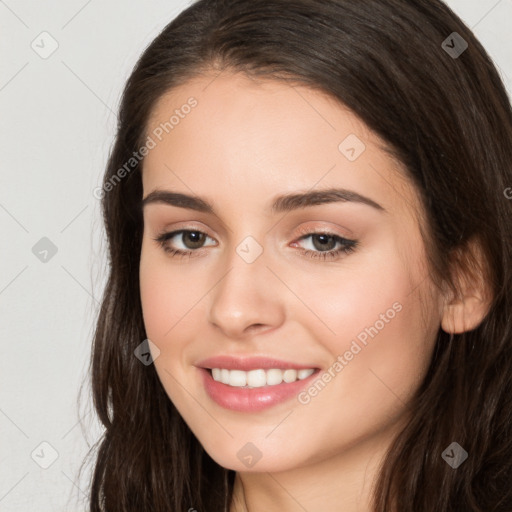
(283, 203)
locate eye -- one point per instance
(191, 239)
(323, 244)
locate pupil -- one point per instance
(324, 241)
(196, 238)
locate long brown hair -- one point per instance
(448, 119)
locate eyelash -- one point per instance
(348, 246)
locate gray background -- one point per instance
(56, 128)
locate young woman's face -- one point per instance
(276, 282)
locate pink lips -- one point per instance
(249, 363)
(251, 399)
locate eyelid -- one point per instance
(187, 226)
(308, 230)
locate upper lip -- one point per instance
(249, 363)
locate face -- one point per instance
(336, 284)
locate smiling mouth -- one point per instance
(259, 377)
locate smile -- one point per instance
(243, 398)
(260, 377)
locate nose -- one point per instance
(247, 299)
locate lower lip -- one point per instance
(254, 399)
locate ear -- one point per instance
(466, 311)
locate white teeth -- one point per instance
(302, 374)
(237, 378)
(290, 375)
(274, 377)
(258, 378)
(255, 378)
(224, 376)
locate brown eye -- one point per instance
(327, 245)
(190, 240)
(193, 239)
(323, 242)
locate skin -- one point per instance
(245, 143)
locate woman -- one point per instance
(308, 305)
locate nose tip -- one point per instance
(242, 303)
(237, 326)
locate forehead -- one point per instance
(227, 134)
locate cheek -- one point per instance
(168, 298)
(379, 355)
(352, 295)
(375, 322)
(167, 295)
